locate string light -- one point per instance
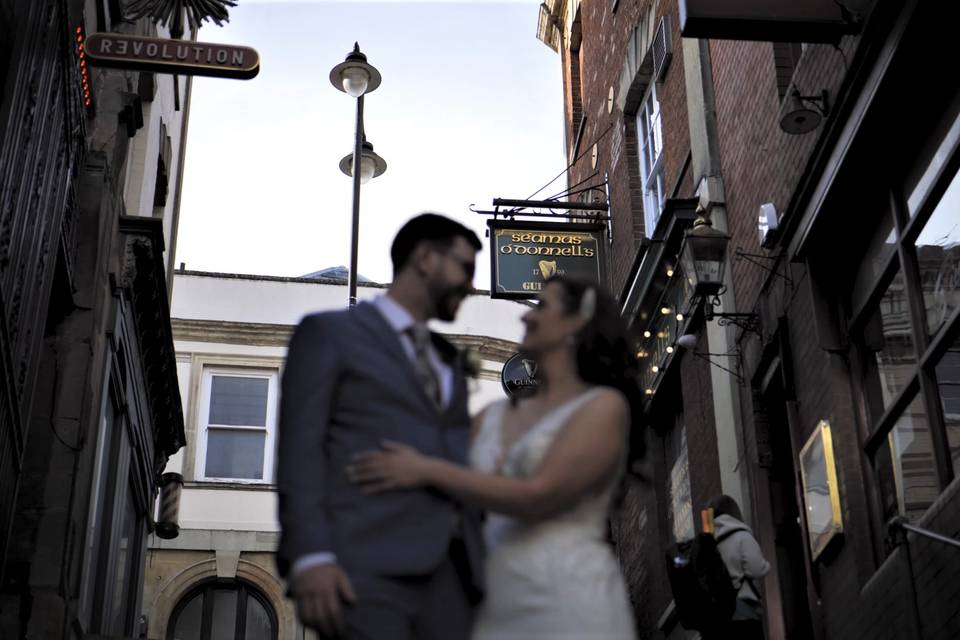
(84, 74)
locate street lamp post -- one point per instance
(355, 77)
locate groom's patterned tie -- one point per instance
(421, 363)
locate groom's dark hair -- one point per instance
(431, 227)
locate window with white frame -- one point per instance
(650, 138)
(236, 425)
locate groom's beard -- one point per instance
(448, 301)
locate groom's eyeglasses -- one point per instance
(468, 265)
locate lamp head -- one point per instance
(703, 256)
(355, 76)
(687, 341)
(371, 165)
(802, 114)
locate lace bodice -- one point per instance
(587, 519)
(554, 579)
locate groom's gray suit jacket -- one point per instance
(348, 385)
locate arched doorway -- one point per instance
(223, 610)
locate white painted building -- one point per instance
(231, 333)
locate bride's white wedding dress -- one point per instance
(556, 578)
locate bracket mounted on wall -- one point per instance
(756, 258)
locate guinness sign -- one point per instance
(524, 255)
(519, 376)
(160, 55)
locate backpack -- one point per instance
(702, 589)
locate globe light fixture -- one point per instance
(355, 81)
(371, 165)
(355, 76)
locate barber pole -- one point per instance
(167, 525)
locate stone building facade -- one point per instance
(89, 405)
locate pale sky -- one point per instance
(470, 108)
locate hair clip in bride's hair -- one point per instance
(588, 303)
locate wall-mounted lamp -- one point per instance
(688, 341)
(802, 114)
(704, 258)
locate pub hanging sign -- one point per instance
(525, 254)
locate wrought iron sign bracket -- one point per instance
(755, 258)
(708, 358)
(749, 322)
(517, 208)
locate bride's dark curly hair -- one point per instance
(604, 353)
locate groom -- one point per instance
(401, 565)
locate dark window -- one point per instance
(680, 500)
(164, 158)
(116, 538)
(239, 414)
(906, 308)
(223, 610)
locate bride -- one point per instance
(546, 468)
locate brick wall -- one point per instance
(858, 589)
(606, 35)
(638, 524)
(862, 591)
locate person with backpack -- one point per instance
(746, 566)
(713, 576)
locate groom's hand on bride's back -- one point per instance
(320, 593)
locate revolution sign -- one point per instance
(525, 254)
(184, 57)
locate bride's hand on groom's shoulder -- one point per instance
(395, 466)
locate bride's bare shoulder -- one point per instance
(607, 398)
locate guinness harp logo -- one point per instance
(518, 376)
(548, 268)
(530, 366)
